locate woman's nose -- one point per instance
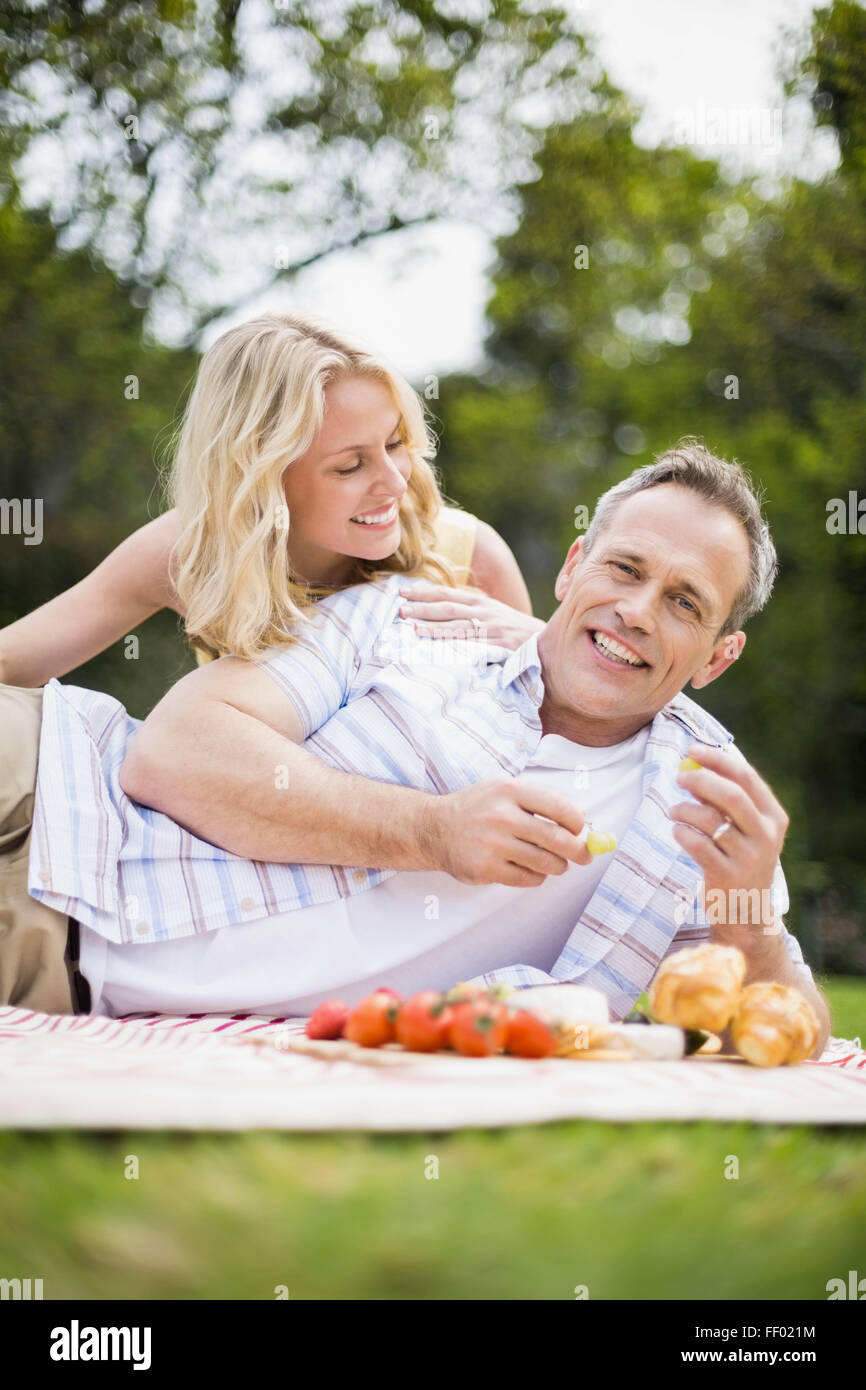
(393, 477)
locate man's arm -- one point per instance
(220, 754)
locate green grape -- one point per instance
(600, 842)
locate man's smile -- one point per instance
(612, 652)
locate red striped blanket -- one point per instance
(154, 1071)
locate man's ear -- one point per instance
(575, 550)
(725, 652)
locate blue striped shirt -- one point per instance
(375, 699)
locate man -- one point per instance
(210, 855)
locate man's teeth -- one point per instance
(376, 518)
(612, 648)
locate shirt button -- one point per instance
(247, 905)
(44, 876)
(142, 929)
(359, 875)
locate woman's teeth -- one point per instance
(377, 518)
(615, 651)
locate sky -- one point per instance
(691, 64)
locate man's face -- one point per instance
(658, 584)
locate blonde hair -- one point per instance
(257, 405)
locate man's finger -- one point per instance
(727, 795)
(731, 764)
(552, 837)
(541, 861)
(724, 796)
(556, 826)
(516, 876)
(705, 819)
(540, 801)
(708, 857)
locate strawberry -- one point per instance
(328, 1020)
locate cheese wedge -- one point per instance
(565, 1004)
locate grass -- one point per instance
(631, 1211)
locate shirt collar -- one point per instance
(703, 726)
(525, 659)
(698, 722)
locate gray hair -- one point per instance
(727, 485)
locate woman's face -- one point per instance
(344, 493)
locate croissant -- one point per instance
(698, 987)
(774, 1025)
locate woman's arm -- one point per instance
(130, 585)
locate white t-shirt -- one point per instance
(417, 930)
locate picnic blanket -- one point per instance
(212, 1072)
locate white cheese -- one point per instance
(564, 1003)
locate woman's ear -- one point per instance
(575, 550)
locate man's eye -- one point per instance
(344, 472)
(628, 569)
(688, 604)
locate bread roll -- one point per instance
(698, 987)
(774, 1025)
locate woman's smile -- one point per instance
(378, 519)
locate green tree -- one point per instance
(205, 150)
(83, 406)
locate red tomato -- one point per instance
(479, 1027)
(328, 1020)
(530, 1036)
(422, 1022)
(371, 1023)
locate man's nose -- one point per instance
(637, 609)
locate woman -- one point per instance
(303, 465)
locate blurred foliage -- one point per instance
(318, 118)
(69, 436)
(169, 133)
(692, 281)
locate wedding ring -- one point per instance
(720, 830)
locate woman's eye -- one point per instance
(344, 472)
(398, 444)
